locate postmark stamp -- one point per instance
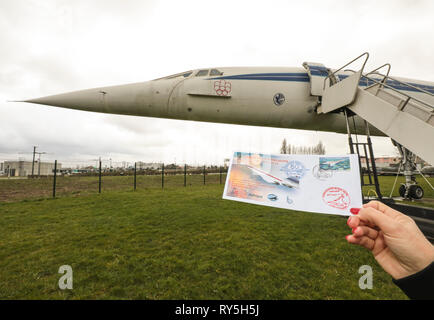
(321, 174)
(336, 197)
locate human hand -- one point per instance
(393, 238)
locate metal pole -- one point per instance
(374, 168)
(162, 176)
(135, 175)
(33, 162)
(54, 181)
(185, 175)
(39, 166)
(368, 167)
(203, 174)
(373, 165)
(99, 182)
(220, 171)
(350, 140)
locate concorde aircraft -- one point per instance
(311, 97)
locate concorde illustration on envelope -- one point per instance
(287, 182)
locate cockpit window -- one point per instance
(185, 74)
(202, 73)
(215, 72)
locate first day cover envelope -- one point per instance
(315, 183)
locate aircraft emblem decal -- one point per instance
(279, 99)
(222, 87)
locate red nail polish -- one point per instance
(354, 210)
(354, 229)
(346, 237)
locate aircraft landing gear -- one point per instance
(413, 191)
(410, 189)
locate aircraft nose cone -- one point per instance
(123, 99)
(88, 100)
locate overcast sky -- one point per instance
(55, 46)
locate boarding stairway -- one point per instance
(373, 96)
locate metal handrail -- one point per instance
(363, 66)
(404, 83)
(385, 76)
(400, 92)
(389, 77)
(388, 69)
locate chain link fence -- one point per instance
(106, 176)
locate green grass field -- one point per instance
(24, 189)
(178, 243)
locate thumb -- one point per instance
(377, 218)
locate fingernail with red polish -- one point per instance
(346, 237)
(354, 229)
(348, 221)
(354, 210)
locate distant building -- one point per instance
(383, 162)
(152, 165)
(226, 162)
(24, 168)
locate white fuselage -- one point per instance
(259, 96)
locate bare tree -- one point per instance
(320, 148)
(287, 148)
(283, 149)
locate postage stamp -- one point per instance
(334, 163)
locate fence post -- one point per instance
(220, 172)
(185, 175)
(54, 181)
(203, 174)
(135, 175)
(162, 176)
(99, 180)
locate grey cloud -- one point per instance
(61, 45)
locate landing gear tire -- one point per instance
(402, 189)
(415, 192)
